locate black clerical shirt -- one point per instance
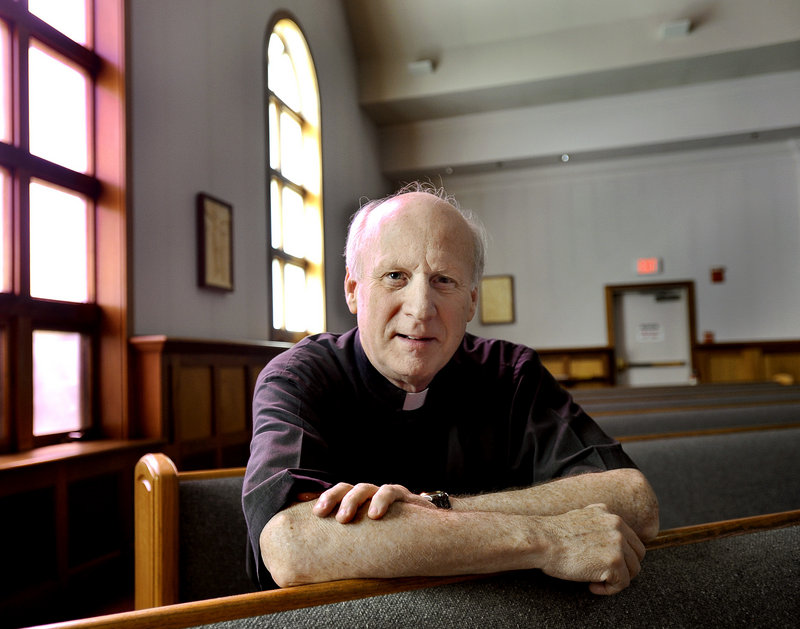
(493, 418)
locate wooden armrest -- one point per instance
(156, 531)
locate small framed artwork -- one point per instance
(214, 243)
(497, 299)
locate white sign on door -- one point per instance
(650, 333)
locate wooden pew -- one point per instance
(723, 574)
(698, 478)
(211, 522)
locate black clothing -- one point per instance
(493, 418)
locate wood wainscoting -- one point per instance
(744, 361)
(196, 395)
(752, 361)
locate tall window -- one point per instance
(62, 219)
(295, 186)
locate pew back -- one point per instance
(190, 530)
(709, 477)
(733, 573)
(190, 533)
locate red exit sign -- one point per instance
(648, 266)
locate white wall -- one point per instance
(564, 232)
(197, 121)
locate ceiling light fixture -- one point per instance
(675, 29)
(421, 67)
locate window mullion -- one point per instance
(20, 349)
(288, 258)
(20, 38)
(14, 157)
(21, 248)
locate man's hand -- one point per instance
(593, 545)
(350, 498)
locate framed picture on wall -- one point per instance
(497, 299)
(214, 243)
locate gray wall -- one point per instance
(197, 124)
(566, 231)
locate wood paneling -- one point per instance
(67, 519)
(197, 395)
(580, 367)
(748, 362)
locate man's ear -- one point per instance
(473, 306)
(350, 286)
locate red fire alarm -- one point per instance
(717, 275)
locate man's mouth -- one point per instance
(415, 338)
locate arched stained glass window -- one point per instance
(295, 185)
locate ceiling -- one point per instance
(486, 55)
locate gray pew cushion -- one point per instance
(718, 477)
(211, 539)
(685, 420)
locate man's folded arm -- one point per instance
(626, 492)
(583, 543)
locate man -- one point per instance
(350, 429)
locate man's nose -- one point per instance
(419, 299)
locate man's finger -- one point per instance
(328, 500)
(353, 500)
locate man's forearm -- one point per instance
(299, 547)
(588, 544)
(625, 492)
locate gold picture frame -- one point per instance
(214, 243)
(497, 299)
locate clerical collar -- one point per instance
(414, 401)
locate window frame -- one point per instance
(103, 321)
(273, 174)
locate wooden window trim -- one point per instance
(108, 316)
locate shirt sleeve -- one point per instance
(288, 456)
(568, 440)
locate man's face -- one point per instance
(414, 297)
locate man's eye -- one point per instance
(395, 276)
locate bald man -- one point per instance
(408, 447)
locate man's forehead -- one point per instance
(421, 208)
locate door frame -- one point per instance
(612, 291)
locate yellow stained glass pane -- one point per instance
(294, 223)
(277, 295)
(281, 77)
(274, 138)
(291, 141)
(305, 75)
(313, 239)
(315, 306)
(276, 215)
(296, 301)
(57, 370)
(312, 178)
(59, 110)
(59, 244)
